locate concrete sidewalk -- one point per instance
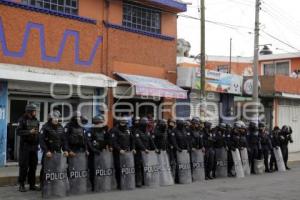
(9, 174)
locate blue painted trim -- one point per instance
(132, 30)
(173, 4)
(50, 12)
(40, 27)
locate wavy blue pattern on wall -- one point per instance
(40, 27)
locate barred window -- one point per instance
(63, 6)
(142, 18)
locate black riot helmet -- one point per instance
(99, 119)
(222, 126)
(144, 123)
(180, 124)
(207, 125)
(253, 126)
(162, 125)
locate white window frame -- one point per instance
(274, 62)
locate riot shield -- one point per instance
(279, 159)
(221, 160)
(151, 169)
(104, 172)
(127, 171)
(238, 166)
(259, 166)
(184, 167)
(78, 174)
(166, 177)
(55, 177)
(198, 170)
(245, 161)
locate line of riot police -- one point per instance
(76, 158)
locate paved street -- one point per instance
(268, 186)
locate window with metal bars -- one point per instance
(63, 6)
(140, 17)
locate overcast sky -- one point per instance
(279, 18)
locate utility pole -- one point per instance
(230, 56)
(202, 63)
(255, 61)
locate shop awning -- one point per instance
(149, 86)
(43, 75)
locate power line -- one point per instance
(279, 40)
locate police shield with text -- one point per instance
(144, 144)
(123, 148)
(101, 165)
(78, 152)
(180, 142)
(221, 152)
(197, 153)
(28, 130)
(266, 145)
(53, 142)
(161, 142)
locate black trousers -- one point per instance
(265, 156)
(139, 170)
(117, 168)
(28, 160)
(285, 154)
(229, 162)
(254, 154)
(209, 161)
(91, 166)
(273, 164)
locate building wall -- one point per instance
(16, 23)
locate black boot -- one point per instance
(34, 188)
(22, 188)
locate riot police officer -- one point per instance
(160, 135)
(196, 135)
(28, 130)
(220, 142)
(179, 140)
(228, 134)
(52, 140)
(143, 143)
(98, 140)
(234, 142)
(254, 144)
(76, 135)
(285, 139)
(171, 150)
(275, 139)
(209, 143)
(122, 142)
(266, 145)
(243, 143)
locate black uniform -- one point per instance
(254, 146)
(275, 139)
(122, 139)
(76, 137)
(98, 139)
(196, 138)
(285, 139)
(52, 139)
(28, 152)
(171, 149)
(160, 136)
(220, 142)
(266, 147)
(209, 144)
(180, 141)
(234, 145)
(143, 142)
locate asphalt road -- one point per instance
(275, 186)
